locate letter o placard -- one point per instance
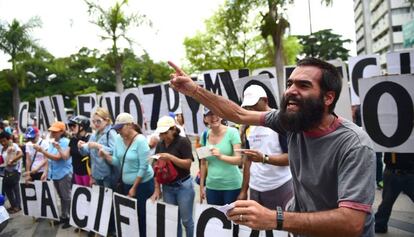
(405, 112)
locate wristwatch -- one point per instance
(266, 159)
(279, 218)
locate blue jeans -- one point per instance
(183, 196)
(106, 182)
(221, 197)
(143, 192)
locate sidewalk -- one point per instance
(402, 217)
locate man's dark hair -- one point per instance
(330, 81)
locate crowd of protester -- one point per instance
(246, 162)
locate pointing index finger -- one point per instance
(177, 69)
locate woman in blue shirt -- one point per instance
(59, 168)
(102, 138)
(137, 174)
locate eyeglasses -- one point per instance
(97, 121)
(119, 128)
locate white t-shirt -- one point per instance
(18, 164)
(266, 177)
(39, 156)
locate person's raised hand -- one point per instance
(181, 82)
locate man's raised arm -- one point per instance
(220, 106)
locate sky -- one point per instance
(66, 24)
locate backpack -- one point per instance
(165, 171)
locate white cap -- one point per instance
(252, 94)
(164, 124)
(121, 119)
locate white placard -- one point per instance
(87, 104)
(23, 121)
(101, 204)
(126, 215)
(387, 112)
(80, 207)
(400, 62)
(362, 67)
(161, 217)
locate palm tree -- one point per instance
(16, 42)
(115, 24)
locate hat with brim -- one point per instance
(57, 127)
(164, 124)
(122, 119)
(252, 95)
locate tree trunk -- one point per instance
(118, 77)
(279, 62)
(16, 100)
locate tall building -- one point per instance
(378, 25)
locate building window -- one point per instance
(397, 28)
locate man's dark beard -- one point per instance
(309, 114)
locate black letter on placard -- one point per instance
(358, 71)
(176, 101)
(210, 86)
(56, 107)
(110, 107)
(255, 233)
(43, 113)
(79, 191)
(99, 209)
(22, 126)
(269, 73)
(127, 102)
(405, 115)
(47, 201)
(156, 104)
(405, 63)
(208, 214)
(229, 86)
(118, 201)
(25, 198)
(82, 100)
(194, 106)
(270, 98)
(244, 72)
(161, 220)
(288, 72)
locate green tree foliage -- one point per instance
(115, 24)
(17, 43)
(231, 41)
(325, 45)
(292, 48)
(86, 71)
(273, 25)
